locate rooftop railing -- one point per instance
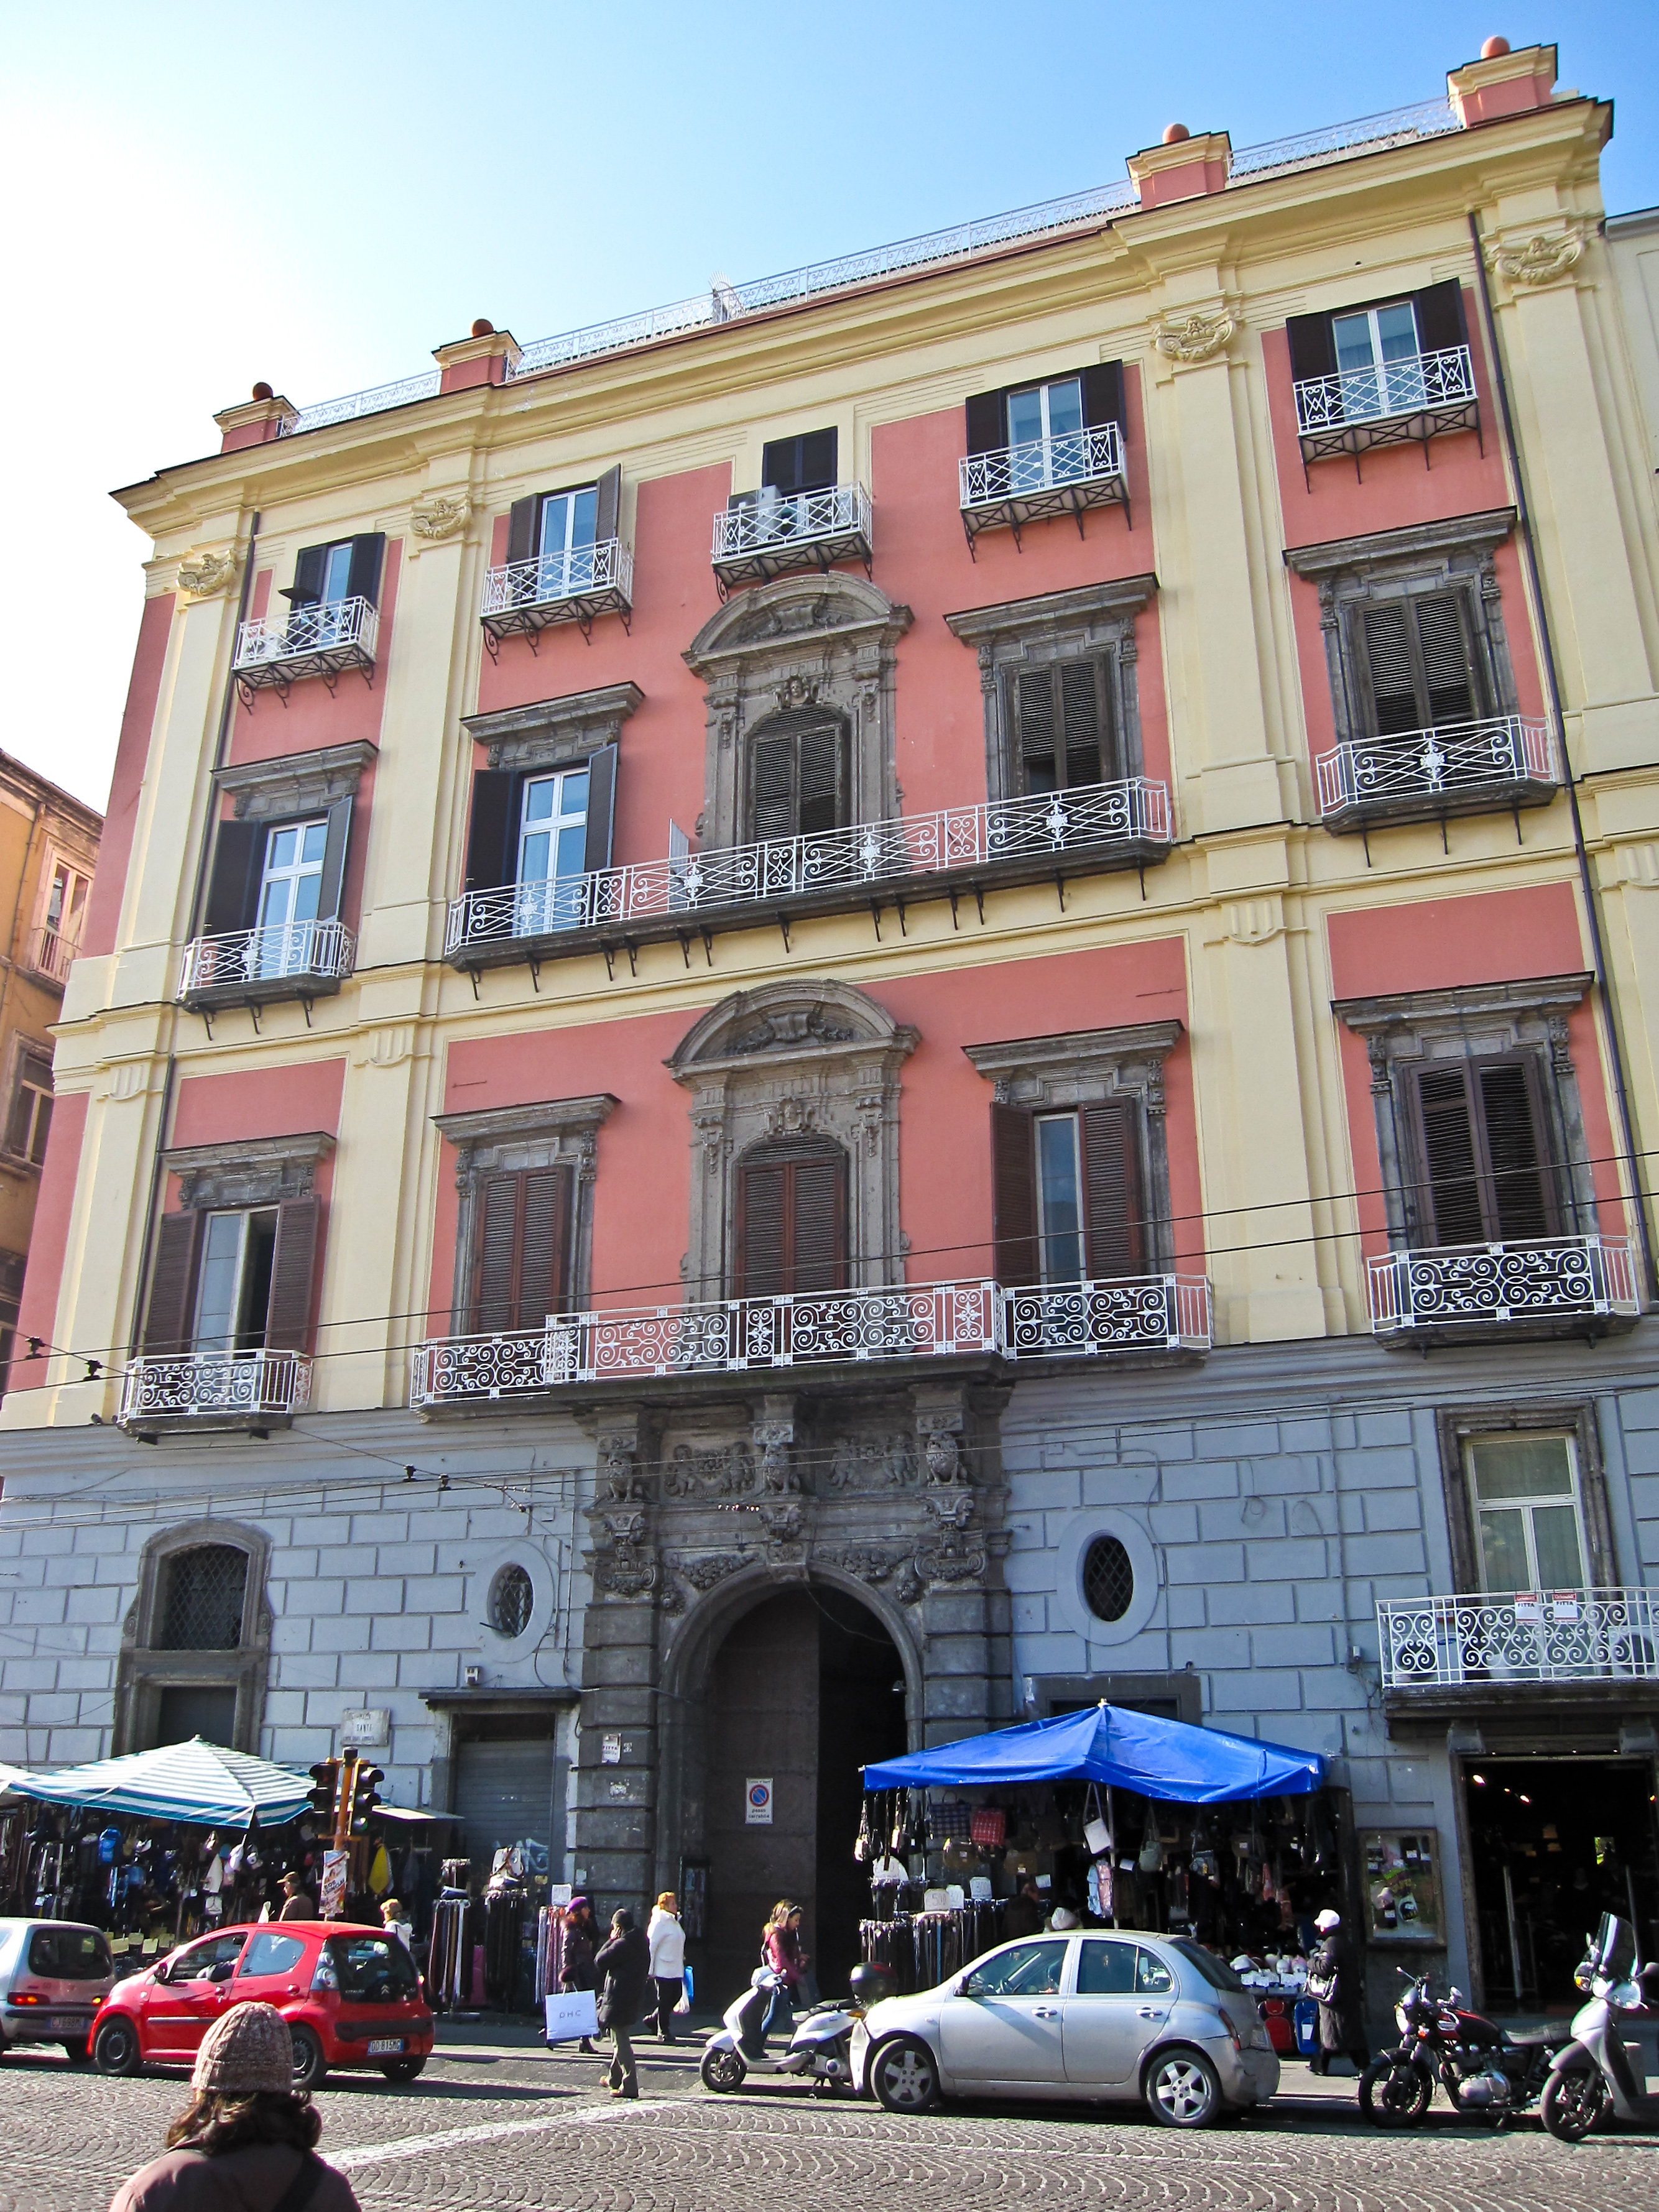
(517, 595)
(724, 302)
(1157, 1313)
(1132, 814)
(243, 959)
(215, 1387)
(1562, 1278)
(1525, 1636)
(1492, 758)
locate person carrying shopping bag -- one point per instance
(623, 1968)
(666, 1939)
(581, 1941)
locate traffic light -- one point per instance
(365, 1796)
(325, 1786)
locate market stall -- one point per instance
(1115, 1818)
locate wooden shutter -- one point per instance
(1084, 754)
(1312, 347)
(521, 1244)
(293, 1274)
(307, 589)
(1440, 319)
(521, 528)
(1450, 1211)
(1446, 657)
(1035, 732)
(607, 506)
(791, 1220)
(987, 422)
(1522, 1187)
(1103, 394)
(232, 898)
(1114, 1201)
(780, 464)
(491, 857)
(601, 808)
(820, 806)
(1394, 704)
(817, 1222)
(363, 577)
(772, 783)
(495, 1236)
(804, 464)
(1013, 1196)
(334, 860)
(170, 1315)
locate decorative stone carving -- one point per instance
(1194, 337)
(790, 1117)
(1543, 260)
(629, 1568)
(253, 1172)
(619, 1469)
(774, 1433)
(863, 1561)
(881, 1461)
(715, 1471)
(440, 514)
(910, 1589)
(205, 574)
(555, 733)
(800, 1027)
(704, 1569)
(942, 1456)
(299, 783)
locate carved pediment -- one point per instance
(795, 610)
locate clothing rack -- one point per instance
(921, 1949)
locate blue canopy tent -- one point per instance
(1111, 1746)
(195, 1781)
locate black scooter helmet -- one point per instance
(868, 1985)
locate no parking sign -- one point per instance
(758, 1801)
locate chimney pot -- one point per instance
(484, 328)
(1175, 132)
(1493, 48)
(263, 391)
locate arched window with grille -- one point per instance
(196, 1642)
(791, 1218)
(201, 1604)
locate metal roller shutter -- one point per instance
(504, 1792)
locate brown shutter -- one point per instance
(762, 1258)
(1079, 699)
(543, 1246)
(1521, 1192)
(1313, 348)
(820, 806)
(1394, 702)
(1113, 1206)
(293, 1274)
(169, 1317)
(1446, 659)
(1034, 715)
(817, 1222)
(772, 782)
(495, 1251)
(791, 1220)
(987, 422)
(521, 529)
(1013, 1196)
(607, 506)
(1450, 1211)
(1439, 312)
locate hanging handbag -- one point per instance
(861, 1841)
(1151, 1847)
(990, 1827)
(1100, 1889)
(1095, 1832)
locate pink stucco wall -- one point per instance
(131, 758)
(48, 1240)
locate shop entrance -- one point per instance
(1553, 1843)
(805, 1689)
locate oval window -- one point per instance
(1108, 1578)
(511, 1596)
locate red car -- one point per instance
(351, 1996)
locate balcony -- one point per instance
(1106, 825)
(324, 638)
(1465, 768)
(1403, 403)
(1451, 1653)
(766, 533)
(1561, 1285)
(1016, 484)
(215, 1390)
(50, 955)
(574, 585)
(249, 967)
(846, 1328)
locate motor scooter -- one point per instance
(760, 2034)
(1610, 2070)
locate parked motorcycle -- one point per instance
(818, 2047)
(1605, 2073)
(1487, 2073)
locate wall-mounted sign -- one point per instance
(611, 1752)
(758, 1804)
(366, 1725)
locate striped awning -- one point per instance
(195, 1781)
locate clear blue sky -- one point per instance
(318, 194)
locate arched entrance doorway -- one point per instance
(805, 1688)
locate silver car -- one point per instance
(54, 1974)
(1150, 2018)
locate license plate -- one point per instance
(69, 2026)
(388, 2046)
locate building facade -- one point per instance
(892, 1000)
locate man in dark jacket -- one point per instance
(1334, 1979)
(623, 1968)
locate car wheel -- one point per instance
(722, 2071)
(1571, 2105)
(1182, 2089)
(78, 2054)
(1394, 2096)
(904, 2075)
(116, 2050)
(310, 2062)
(402, 2070)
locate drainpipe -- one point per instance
(1586, 873)
(227, 708)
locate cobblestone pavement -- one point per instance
(493, 2124)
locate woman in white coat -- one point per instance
(667, 1940)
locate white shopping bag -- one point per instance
(570, 2013)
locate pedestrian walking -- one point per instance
(391, 1919)
(246, 2142)
(1334, 1981)
(298, 1903)
(581, 1941)
(623, 1966)
(784, 1952)
(666, 1939)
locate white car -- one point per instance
(1099, 2016)
(54, 1974)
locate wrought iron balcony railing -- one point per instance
(1461, 767)
(298, 960)
(1571, 1280)
(52, 954)
(1402, 403)
(1158, 1313)
(1131, 817)
(573, 585)
(767, 532)
(323, 639)
(1525, 1636)
(215, 1387)
(1016, 484)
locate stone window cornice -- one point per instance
(299, 783)
(553, 733)
(251, 1171)
(1419, 543)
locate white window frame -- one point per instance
(290, 954)
(540, 905)
(1528, 1506)
(1069, 466)
(337, 573)
(1043, 1231)
(565, 562)
(1398, 382)
(43, 1097)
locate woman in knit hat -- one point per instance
(246, 2141)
